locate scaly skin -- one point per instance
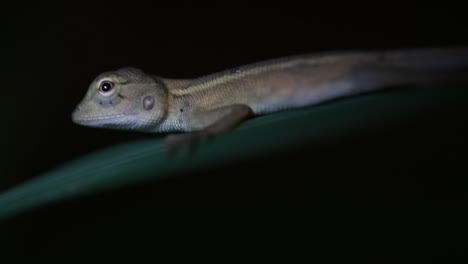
(130, 99)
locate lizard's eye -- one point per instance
(106, 86)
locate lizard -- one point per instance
(192, 110)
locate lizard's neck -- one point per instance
(174, 120)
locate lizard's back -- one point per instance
(306, 80)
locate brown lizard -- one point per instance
(130, 99)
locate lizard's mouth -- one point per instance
(100, 120)
(92, 118)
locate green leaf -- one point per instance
(134, 162)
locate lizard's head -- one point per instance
(123, 99)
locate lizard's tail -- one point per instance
(419, 67)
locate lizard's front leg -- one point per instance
(225, 119)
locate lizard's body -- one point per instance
(217, 102)
(261, 86)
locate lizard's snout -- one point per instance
(76, 114)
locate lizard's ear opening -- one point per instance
(148, 102)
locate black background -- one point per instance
(53, 52)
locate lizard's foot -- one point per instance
(179, 142)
